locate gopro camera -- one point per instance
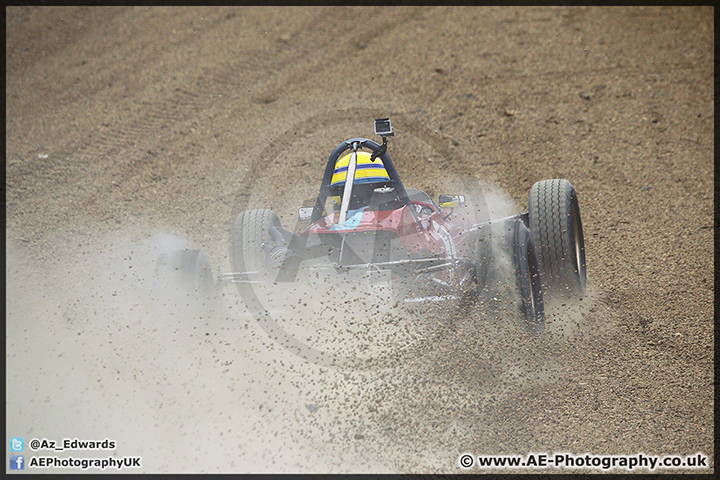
(383, 127)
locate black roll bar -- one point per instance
(384, 157)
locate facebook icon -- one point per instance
(17, 462)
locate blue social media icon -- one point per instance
(17, 462)
(17, 444)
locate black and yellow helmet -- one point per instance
(366, 171)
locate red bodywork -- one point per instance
(441, 234)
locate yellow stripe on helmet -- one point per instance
(365, 172)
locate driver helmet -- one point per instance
(369, 175)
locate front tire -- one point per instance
(557, 231)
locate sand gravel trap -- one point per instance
(133, 130)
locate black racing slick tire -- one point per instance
(484, 262)
(251, 235)
(557, 231)
(527, 273)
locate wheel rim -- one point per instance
(577, 243)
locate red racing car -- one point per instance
(366, 229)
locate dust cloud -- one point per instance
(187, 394)
(191, 392)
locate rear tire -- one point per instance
(527, 273)
(557, 231)
(509, 260)
(250, 232)
(484, 262)
(184, 282)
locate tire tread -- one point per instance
(551, 204)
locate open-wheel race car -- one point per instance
(369, 230)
